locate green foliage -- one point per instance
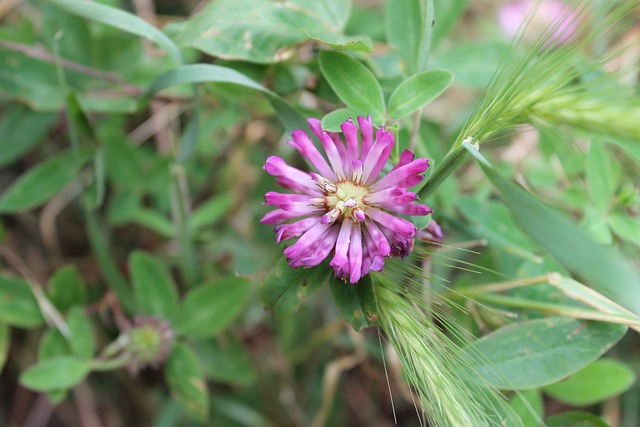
(18, 307)
(154, 291)
(43, 181)
(594, 383)
(210, 308)
(552, 348)
(56, 373)
(131, 148)
(285, 289)
(354, 84)
(356, 302)
(186, 382)
(418, 90)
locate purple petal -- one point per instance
(355, 254)
(379, 153)
(412, 210)
(342, 246)
(384, 157)
(295, 229)
(289, 176)
(378, 238)
(303, 144)
(333, 155)
(277, 216)
(316, 127)
(390, 197)
(405, 158)
(318, 252)
(306, 240)
(274, 198)
(366, 129)
(392, 222)
(403, 174)
(301, 208)
(350, 132)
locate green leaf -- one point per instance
(207, 73)
(354, 83)
(66, 288)
(5, 342)
(529, 407)
(21, 130)
(575, 419)
(286, 288)
(57, 373)
(210, 308)
(356, 303)
(332, 121)
(262, 31)
(154, 291)
(18, 306)
(154, 221)
(417, 91)
(537, 353)
(42, 182)
(341, 42)
(404, 29)
(226, 360)
(595, 383)
(625, 227)
(186, 381)
(81, 341)
(210, 212)
(122, 20)
(600, 177)
(600, 267)
(52, 344)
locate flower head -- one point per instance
(345, 207)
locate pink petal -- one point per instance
(379, 153)
(277, 216)
(301, 208)
(391, 222)
(295, 229)
(303, 144)
(350, 132)
(355, 254)
(306, 240)
(366, 129)
(402, 174)
(289, 176)
(390, 197)
(342, 246)
(274, 198)
(318, 252)
(333, 155)
(412, 210)
(378, 238)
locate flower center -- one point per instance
(344, 200)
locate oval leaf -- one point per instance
(186, 381)
(540, 352)
(599, 381)
(203, 73)
(286, 288)
(354, 83)
(575, 419)
(209, 308)
(153, 288)
(121, 20)
(66, 288)
(81, 340)
(417, 91)
(42, 182)
(57, 373)
(18, 306)
(356, 303)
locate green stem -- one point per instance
(181, 214)
(452, 160)
(112, 275)
(427, 34)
